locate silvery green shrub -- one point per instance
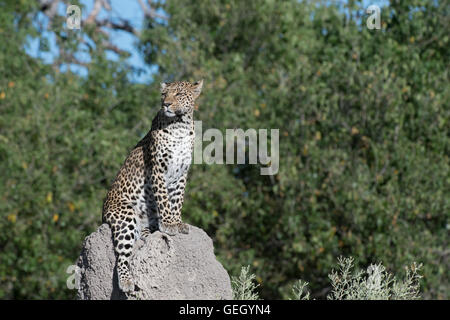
(373, 283)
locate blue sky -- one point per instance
(131, 11)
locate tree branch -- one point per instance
(101, 26)
(149, 12)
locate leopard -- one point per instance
(147, 193)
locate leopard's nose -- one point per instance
(167, 104)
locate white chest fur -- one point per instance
(180, 150)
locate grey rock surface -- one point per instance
(163, 267)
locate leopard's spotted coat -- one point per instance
(147, 193)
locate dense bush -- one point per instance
(364, 140)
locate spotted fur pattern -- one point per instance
(147, 193)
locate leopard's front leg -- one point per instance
(176, 196)
(169, 200)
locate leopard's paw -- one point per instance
(169, 229)
(145, 234)
(183, 228)
(126, 285)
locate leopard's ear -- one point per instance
(163, 86)
(197, 88)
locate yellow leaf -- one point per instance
(2, 95)
(215, 213)
(305, 150)
(12, 217)
(355, 130)
(49, 197)
(256, 113)
(55, 217)
(71, 206)
(318, 135)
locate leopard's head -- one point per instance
(177, 98)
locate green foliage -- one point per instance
(373, 284)
(243, 286)
(299, 290)
(62, 140)
(364, 140)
